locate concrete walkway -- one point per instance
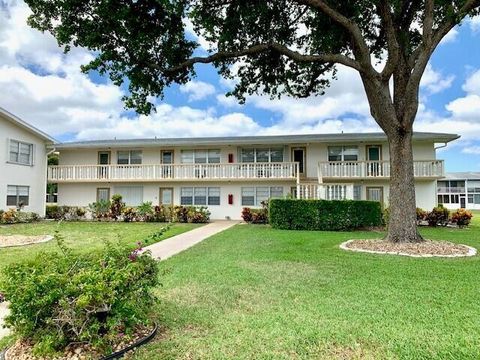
(171, 246)
(3, 312)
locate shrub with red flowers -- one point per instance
(256, 216)
(438, 216)
(461, 217)
(59, 298)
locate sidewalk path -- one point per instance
(3, 312)
(171, 246)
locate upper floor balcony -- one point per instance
(171, 172)
(427, 169)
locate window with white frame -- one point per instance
(207, 156)
(213, 196)
(474, 199)
(18, 195)
(474, 186)
(262, 155)
(131, 195)
(21, 152)
(357, 192)
(103, 194)
(253, 196)
(186, 196)
(200, 196)
(129, 157)
(343, 153)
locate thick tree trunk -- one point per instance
(402, 225)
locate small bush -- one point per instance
(421, 215)
(145, 211)
(438, 216)
(162, 213)
(256, 216)
(198, 214)
(116, 207)
(247, 214)
(100, 209)
(180, 214)
(129, 214)
(60, 298)
(52, 212)
(13, 216)
(461, 217)
(329, 215)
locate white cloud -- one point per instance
(451, 37)
(197, 90)
(472, 84)
(169, 121)
(474, 23)
(475, 150)
(434, 82)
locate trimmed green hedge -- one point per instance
(326, 215)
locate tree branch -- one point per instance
(428, 21)
(442, 30)
(259, 48)
(422, 54)
(392, 42)
(349, 25)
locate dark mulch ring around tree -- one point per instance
(427, 248)
(123, 347)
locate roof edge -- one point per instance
(152, 142)
(25, 125)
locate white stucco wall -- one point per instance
(84, 194)
(24, 175)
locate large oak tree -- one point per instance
(282, 47)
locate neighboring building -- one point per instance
(23, 164)
(460, 190)
(229, 173)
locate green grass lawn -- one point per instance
(256, 293)
(82, 236)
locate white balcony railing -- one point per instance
(377, 169)
(235, 171)
(325, 191)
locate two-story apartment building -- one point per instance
(460, 190)
(229, 173)
(23, 164)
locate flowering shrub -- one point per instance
(162, 213)
(116, 207)
(256, 216)
(461, 217)
(60, 297)
(247, 214)
(129, 214)
(421, 215)
(438, 216)
(12, 216)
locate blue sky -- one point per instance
(46, 88)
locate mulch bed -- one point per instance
(427, 248)
(22, 350)
(21, 240)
